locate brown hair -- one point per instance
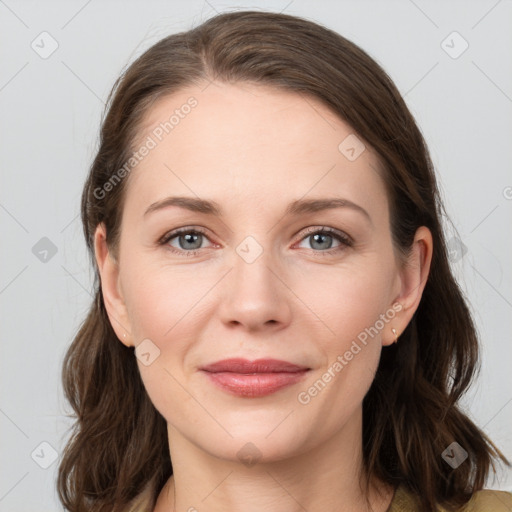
(118, 450)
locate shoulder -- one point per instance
(497, 501)
(481, 501)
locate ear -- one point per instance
(412, 278)
(110, 287)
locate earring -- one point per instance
(393, 330)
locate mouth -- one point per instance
(252, 379)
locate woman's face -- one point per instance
(266, 268)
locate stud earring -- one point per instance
(393, 330)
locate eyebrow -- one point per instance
(298, 207)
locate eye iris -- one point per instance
(190, 238)
(319, 238)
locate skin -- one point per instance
(254, 150)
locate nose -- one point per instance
(255, 295)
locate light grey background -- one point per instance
(50, 114)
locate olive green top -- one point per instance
(482, 501)
(403, 501)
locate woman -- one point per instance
(308, 349)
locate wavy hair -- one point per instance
(117, 457)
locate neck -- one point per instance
(328, 477)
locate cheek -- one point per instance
(349, 338)
(163, 307)
(348, 301)
(353, 310)
(161, 299)
(171, 399)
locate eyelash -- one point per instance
(345, 240)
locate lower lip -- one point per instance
(254, 385)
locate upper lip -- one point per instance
(239, 365)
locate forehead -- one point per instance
(251, 140)
(241, 115)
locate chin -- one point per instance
(262, 441)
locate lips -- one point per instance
(259, 366)
(253, 378)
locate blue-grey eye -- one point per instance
(322, 240)
(190, 240)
